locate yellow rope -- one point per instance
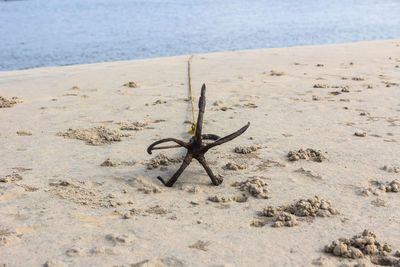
(193, 129)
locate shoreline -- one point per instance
(77, 187)
(199, 54)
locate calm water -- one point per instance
(38, 33)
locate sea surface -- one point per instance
(40, 33)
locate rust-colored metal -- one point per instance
(195, 147)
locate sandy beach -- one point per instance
(320, 161)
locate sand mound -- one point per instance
(246, 149)
(133, 126)
(363, 245)
(313, 207)
(137, 125)
(145, 186)
(8, 103)
(223, 199)
(234, 166)
(161, 160)
(381, 187)
(308, 154)
(254, 186)
(95, 136)
(220, 105)
(285, 219)
(276, 73)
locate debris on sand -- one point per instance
(308, 154)
(201, 245)
(24, 133)
(95, 136)
(157, 210)
(119, 239)
(8, 103)
(275, 73)
(109, 162)
(360, 134)
(161, 160)
(318, 85)
(316, 98)
(254, 186)
(131, 85)
(13, 177)
(246, 149)
(365, 245)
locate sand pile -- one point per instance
(133, 126)
(256, 187)
(234, 166)
(8, 103)
(246, 149)
(308, 154)
(223, 199)
(365, 245)
(313, 207)
(161, 160)
(381, 187)
(137, 125)
(95, 136)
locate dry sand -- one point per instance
(77, 187)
